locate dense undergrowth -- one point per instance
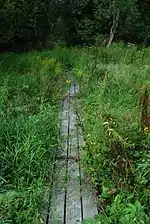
(115, 111)
(30, 88)
(114, 94)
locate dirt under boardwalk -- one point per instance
(72, 199)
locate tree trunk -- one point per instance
(113, 28)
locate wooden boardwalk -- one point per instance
(72, 199)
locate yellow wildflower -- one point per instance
(68, 81)
(146, 130)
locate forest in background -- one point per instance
(26, 24)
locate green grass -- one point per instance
(117, 153)
(31, 85)
(115, 113)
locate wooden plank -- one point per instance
(72, 199)
(58, 196)
(89, 201)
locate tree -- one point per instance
(25, 22)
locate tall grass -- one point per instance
(30, 88)
(115, 110)
(117, 149)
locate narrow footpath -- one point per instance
(72, 199)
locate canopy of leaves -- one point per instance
(24, 22)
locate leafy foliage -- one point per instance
(25, 24)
